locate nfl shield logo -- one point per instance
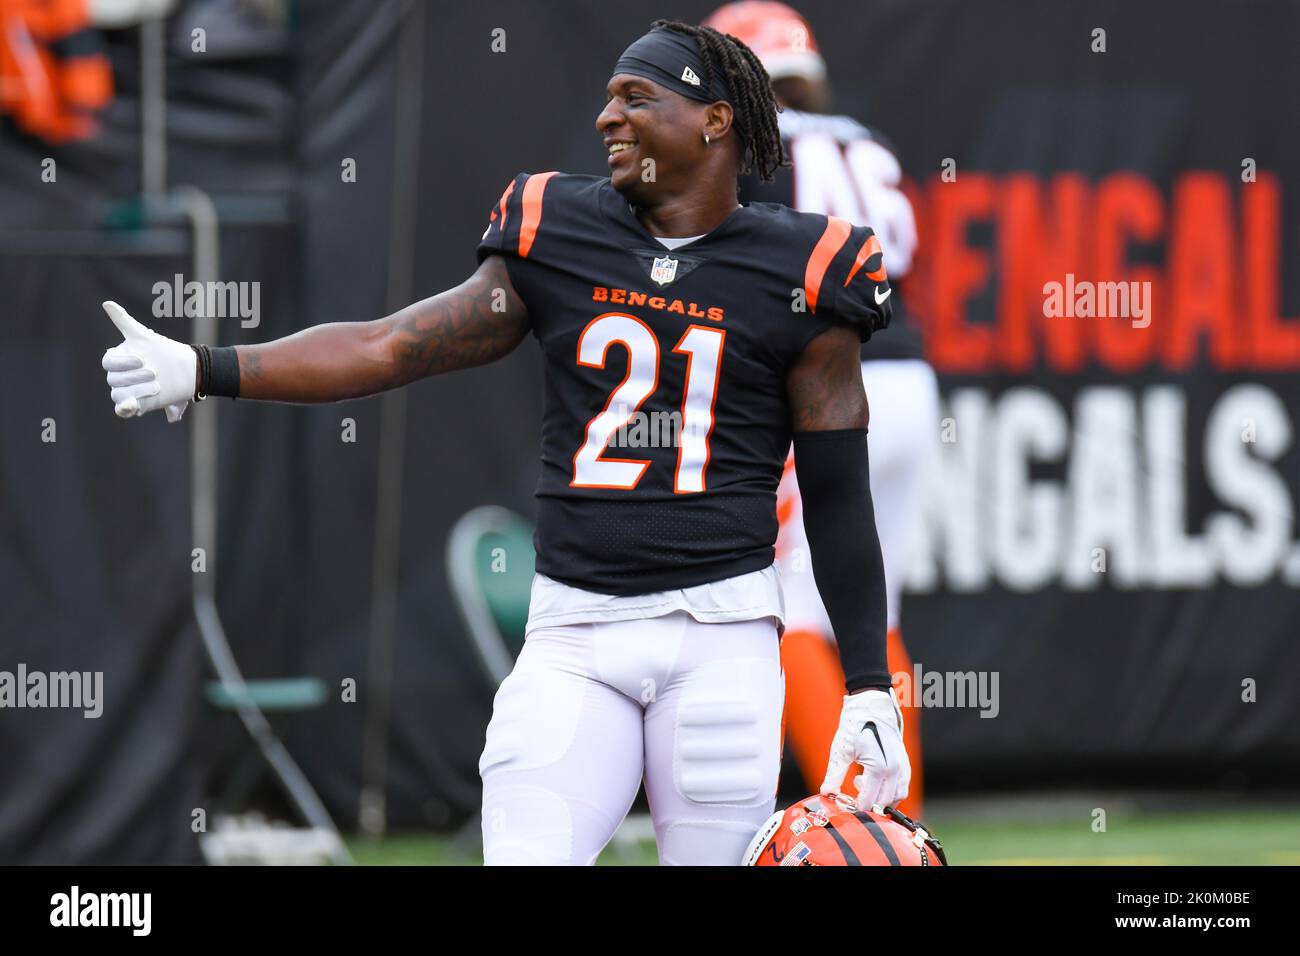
(664, 270)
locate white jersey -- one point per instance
(841, 169)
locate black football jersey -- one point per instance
(839, 167)
(665, 422)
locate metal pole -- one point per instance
(373, 811)
(153, 108)
(200, 211)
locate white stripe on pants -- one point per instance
(591, 708)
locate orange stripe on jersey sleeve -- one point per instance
(534, 188)
(832, 240)
(869, 249)
(501, 206)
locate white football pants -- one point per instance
(590, 709)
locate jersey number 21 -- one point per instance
(702, 347)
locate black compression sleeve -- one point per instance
(838, 517)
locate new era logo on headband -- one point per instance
(673, 60)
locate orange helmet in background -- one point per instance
(828, 830)
(779, 36)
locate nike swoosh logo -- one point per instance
(881, 298)
(875, 733)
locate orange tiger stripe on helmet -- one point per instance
(827, 830)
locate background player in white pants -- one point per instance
(842, 168)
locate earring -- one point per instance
(706, 139)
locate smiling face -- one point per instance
(645, 121)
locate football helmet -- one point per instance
(829, 830)
(779, 36)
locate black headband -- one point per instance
(673, 60)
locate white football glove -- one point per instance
(148, 371)
(870, 734)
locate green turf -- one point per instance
(1252, 837)
(434, 850)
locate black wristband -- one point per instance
(203, 363)
(223, 372)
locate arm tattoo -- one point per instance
(474, 324)
(250, 367)
(479, 320)
(824, 386)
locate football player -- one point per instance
(652, 644)
(841, 168)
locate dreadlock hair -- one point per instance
(755, 104)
